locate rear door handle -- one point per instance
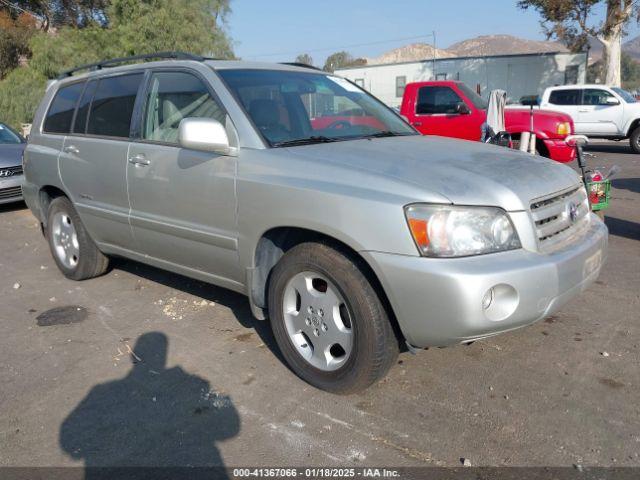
(72, 149)
(139, 160)
(416, 124)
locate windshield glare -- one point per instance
(7, 136)
(288, 106)
(626, 96)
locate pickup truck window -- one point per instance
(595, 96)
(626, 96)
(565, 97)
(292, 108)
(478, 102)
(437, 100)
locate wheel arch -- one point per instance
(272, 246)
(634, 124)
(46, 195)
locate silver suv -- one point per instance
(354, 234)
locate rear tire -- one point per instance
(73, 250)
(634, 140)
(330, 324)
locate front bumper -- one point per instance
(560, 151)
(438, 302)
(11, 189)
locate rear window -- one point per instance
(565, 97)
(60, 114)
(112, 106)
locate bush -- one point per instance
(20, 94)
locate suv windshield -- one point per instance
(626, 96)
(8, 136)
(296, 108)
(478, 102)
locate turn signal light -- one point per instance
(419, 231)
(564, 128)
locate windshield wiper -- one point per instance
(305, 141)
(386, 133)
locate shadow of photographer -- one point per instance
(154, 417)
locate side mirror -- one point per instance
(612, 101)
(576, 140)
(204, 134)
(462, 109)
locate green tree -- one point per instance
(134, 27)
(304, 58)
(572, 22)
(342, 60)
(15, 33)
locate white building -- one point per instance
(520, 75)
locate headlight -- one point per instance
(452, 231)
(563, 128)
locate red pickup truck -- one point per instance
(452, 109)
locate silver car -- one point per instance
(352, 233)
(11, 147)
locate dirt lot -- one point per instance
(562, 392)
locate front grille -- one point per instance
(10, 171)
(6, 193)
(558, 217)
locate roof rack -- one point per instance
(302, 65)
(116, 61)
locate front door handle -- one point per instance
(139, 160)
(72, 149)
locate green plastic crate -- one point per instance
(602, 192)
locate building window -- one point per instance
(401, 82)
(441, 76)
(571, 75)
(359, 82)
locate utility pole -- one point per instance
(433, 32)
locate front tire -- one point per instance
(634, 140)
(330, 324)
(76, 255)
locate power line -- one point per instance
(343, 47)
(20, 9)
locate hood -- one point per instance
(11, 154)
(537, 113)
(464, 172)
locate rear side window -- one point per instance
(434, 100)
(112, 106)
(565, 97)
(60, 114)
(80, 124)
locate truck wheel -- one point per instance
(329, 323)
(634, 140)
(76, 255)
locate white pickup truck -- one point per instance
(598, 111)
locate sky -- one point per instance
(277, 31)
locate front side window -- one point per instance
(565, 97)
(173, 96)
(290, 107)
(60, 114)
(8, 136)
(437, 100)
(112, 106)
(478, 102)
(596, 96)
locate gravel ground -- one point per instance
(206, 385)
